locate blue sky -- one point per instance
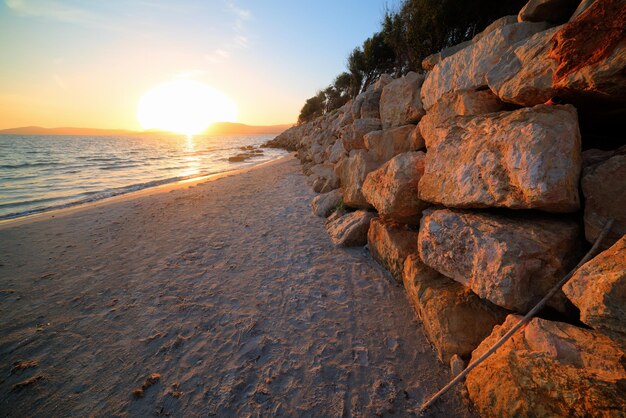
(87, 63)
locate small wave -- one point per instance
(119, 167)
(22, 165)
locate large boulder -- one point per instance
(400, 102)
(350, 230)
(513, 262)
(549, 369)
(336, 152)
(352, 172)
(324, 178)
(324, 204)
(506, 159)
(455, 320)
(390, 244)
(496, 24)
(430, 61)
(604, 188)
(383, 145)
(392, 188)
(459, 103)
(598, 289)
(553, 11)
(467, 68)
(352, 135)
(581, 61)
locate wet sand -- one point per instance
(222, 297)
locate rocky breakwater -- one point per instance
(478, 186)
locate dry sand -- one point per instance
(228, 290)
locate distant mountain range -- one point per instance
(218, 128)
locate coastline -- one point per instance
(229, 290)
(148, 191)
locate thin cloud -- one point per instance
(55, 10)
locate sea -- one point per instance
(42, 173)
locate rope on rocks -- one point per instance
(523, 321)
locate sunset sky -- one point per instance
(87, 63)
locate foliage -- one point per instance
(408, 35)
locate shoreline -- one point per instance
(205, 286)
(161, 188)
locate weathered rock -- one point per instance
(549, 369)
(598, 289)
(351, 229)
(352, 172)
(352, 135)
(511, 262)
(336, 152)
(371, 103)
(400, 102)
(392, 188)
(324, 204)
(496, 24)
(455, 320)
(553, 11)
(383, 145)
(459, 103)
(604, 188)
(582, 61)
(582, 7)
(324, 178)
(467, 68)
(416, 139)
(430, 61)
(506, 159)
(390, 244)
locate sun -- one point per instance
(184, 106)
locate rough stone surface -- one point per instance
(400, 102)
(553, 11)
(417, 140)
(324, 204)
(392, 188)
(336, 152)
(351, 229)
(604, 188)
(513, 262)
(455, 320)
(352, 135)
(506, 159)
(383, 145)
(459, 103)
(549, 369)
(467, 68)
(430, 61)
(498, 23)
(598, 289)
(352, 172)
(529, 74)
(390, 244)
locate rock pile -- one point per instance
(470, 185)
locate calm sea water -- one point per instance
(39, 173)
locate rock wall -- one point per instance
(471, 184)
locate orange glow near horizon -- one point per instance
(184, 106)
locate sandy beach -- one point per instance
(223, 297)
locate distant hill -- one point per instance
(218, 128)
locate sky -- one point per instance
(87, 63)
